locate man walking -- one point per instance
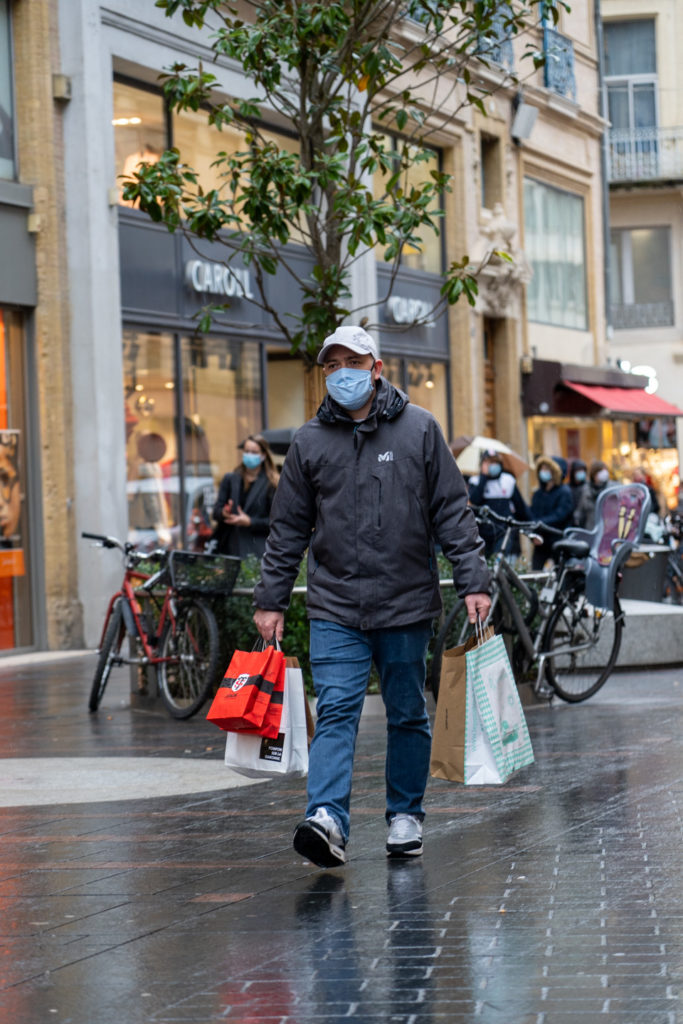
(368, 486)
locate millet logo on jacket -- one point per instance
(387, 457)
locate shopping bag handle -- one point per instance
(261, 644)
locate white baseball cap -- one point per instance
(354, 338)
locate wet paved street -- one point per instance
(555, 898)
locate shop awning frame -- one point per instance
(625, 401)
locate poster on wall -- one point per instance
(11, 545)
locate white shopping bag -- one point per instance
(497, 740)
(287, 754)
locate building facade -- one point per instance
(644, 103)
(130, 416)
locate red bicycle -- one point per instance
(167, 622)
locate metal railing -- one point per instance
(645, 154)
(627, 316)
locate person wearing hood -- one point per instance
(370, 487)
(577, 480)
(551, 504)
(497, 490)
(598, 478)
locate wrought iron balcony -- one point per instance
(642, 314)
(645, 154)
(558, 72)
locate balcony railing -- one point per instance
(645, 154)
(642, 314)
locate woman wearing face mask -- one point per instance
(598, 478)
(577, 480)
(551, 503)
(242, 510)
(497, 490)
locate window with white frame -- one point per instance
(640, 277)
(631, 74)
(555, 245)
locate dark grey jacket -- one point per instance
(369, 499)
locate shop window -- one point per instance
(640, 277)
(218, 406)
(139, 129)
(7, 168)
(554, 243)
(286, 390)
(200, 143)
(429, 255)
(16, 621)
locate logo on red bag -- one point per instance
(240, 681)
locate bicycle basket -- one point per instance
(198, 573)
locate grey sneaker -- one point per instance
(319, 840)
(405, 836)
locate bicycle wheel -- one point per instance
(576, 675)
(109, 652)
(186, 680)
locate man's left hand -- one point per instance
(477, 604)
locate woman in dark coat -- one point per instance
(551, 503)
(242, 509)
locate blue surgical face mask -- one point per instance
(545, 476)
(494, 470)
(350, 388)
(251, 460)
(580, 476)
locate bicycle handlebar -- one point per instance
(128, 549)
(526, 526)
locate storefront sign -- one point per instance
(403, 310)
(217, 279)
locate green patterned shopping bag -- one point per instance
(497, 740)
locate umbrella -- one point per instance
(467, 452)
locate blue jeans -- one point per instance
(341, 659)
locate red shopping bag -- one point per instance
(270, 726)
(243, 697)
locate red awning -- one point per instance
(627, 400)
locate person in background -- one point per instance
(598, 478)
(245, 496)
(498, 490)
(577, 480)
(639, 476)
(551, 504)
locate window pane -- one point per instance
(555, 247)
(618, 108)
(200, 143)
(16, 624)
(651, 266)
(644, 113)
(6, 120)
(151, 444)
(222, 405)
(139, 129)
(615, 269)
(428, 256)
(392, 370)
(630, 47)
(427, 388)
(289, 145)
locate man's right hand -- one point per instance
(269, 623)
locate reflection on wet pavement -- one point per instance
(552, 899)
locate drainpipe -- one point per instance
(603, 171)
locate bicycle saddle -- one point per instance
(568, 547)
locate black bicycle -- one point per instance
(557, 639)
